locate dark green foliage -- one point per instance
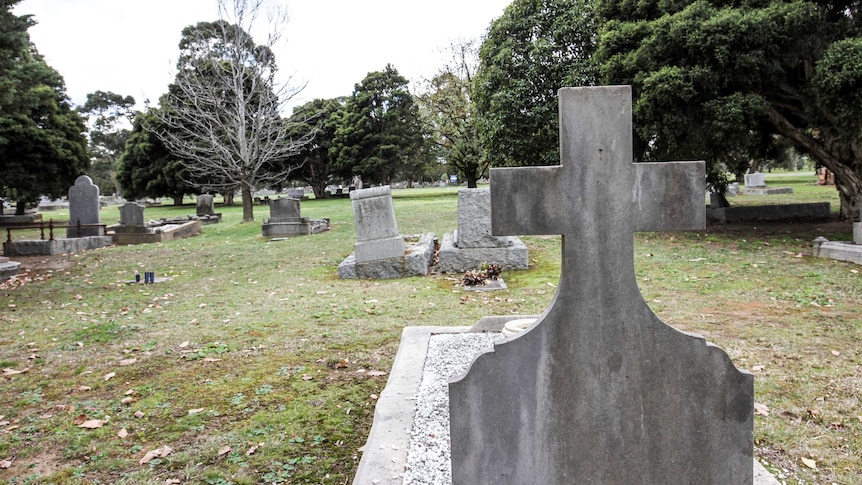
(110, 114)
(736, 82)
(531, 51)
(147, 168)
(316, 167)
(42, 147)
(451, 116)
(380, 135)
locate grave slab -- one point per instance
(599, 389)
(285, 220)
(839, 250)
(384, 456)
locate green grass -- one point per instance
(264, 344)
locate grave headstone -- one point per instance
(132, 214)
(381, 251)
(474, 221)
(755, 179)
(377, 235)
(84, 208)
(599, 389)
(296, 193)
(285, 220)
(284, 209)
(472, 244)
(205, 205)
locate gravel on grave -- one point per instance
(428, 455)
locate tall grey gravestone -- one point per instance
(84, 208)
(377, 234)
(599, 389)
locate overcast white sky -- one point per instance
(130, 46)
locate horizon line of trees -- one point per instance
(738, 85)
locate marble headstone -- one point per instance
(132, 214)
(84, 208)
(284, 209)
(599, 389)
(205, 205)
(377, 235)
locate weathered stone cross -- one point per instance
(600, 390)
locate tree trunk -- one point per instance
(20, 207)
(471, 180)
(228, 197)
(178, 199)
(319, 189)
(247, 204)
(842, 158)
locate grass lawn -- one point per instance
(254, 363)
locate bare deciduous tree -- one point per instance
(223, 112)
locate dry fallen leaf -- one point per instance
(127, 400)
(761, 409)
(376, 373)
(123, 433)
(809, 463)
(184, 344)
(836, 353)
(126, 362)
(84, 388)
(195, 411)
(157, 453)
(757, 368)
(130, 392)
(5, 464)
(80, 419)
(211, 359)
(110, 375)
(139, 414)
(11, 372)
(224, 450)
(92, 424)
(172, 481)
(307, 377)
(253, 449)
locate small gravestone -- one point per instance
(599, 389)
(131, 219)
(755, 179)
(285, 220)
(755, 184)
(205, 210)
(132, 214)
(8, 268)
(381, 251)
(472, 244)
(84, 208)
(204, 205)
(284, 209)
(296, 193)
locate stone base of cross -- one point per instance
(600, 390)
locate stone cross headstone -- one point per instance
(284, 209)
(84, 207)
(377, 234)
(132, 214)
(474, 220)
(205, 205)
(599, 389)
